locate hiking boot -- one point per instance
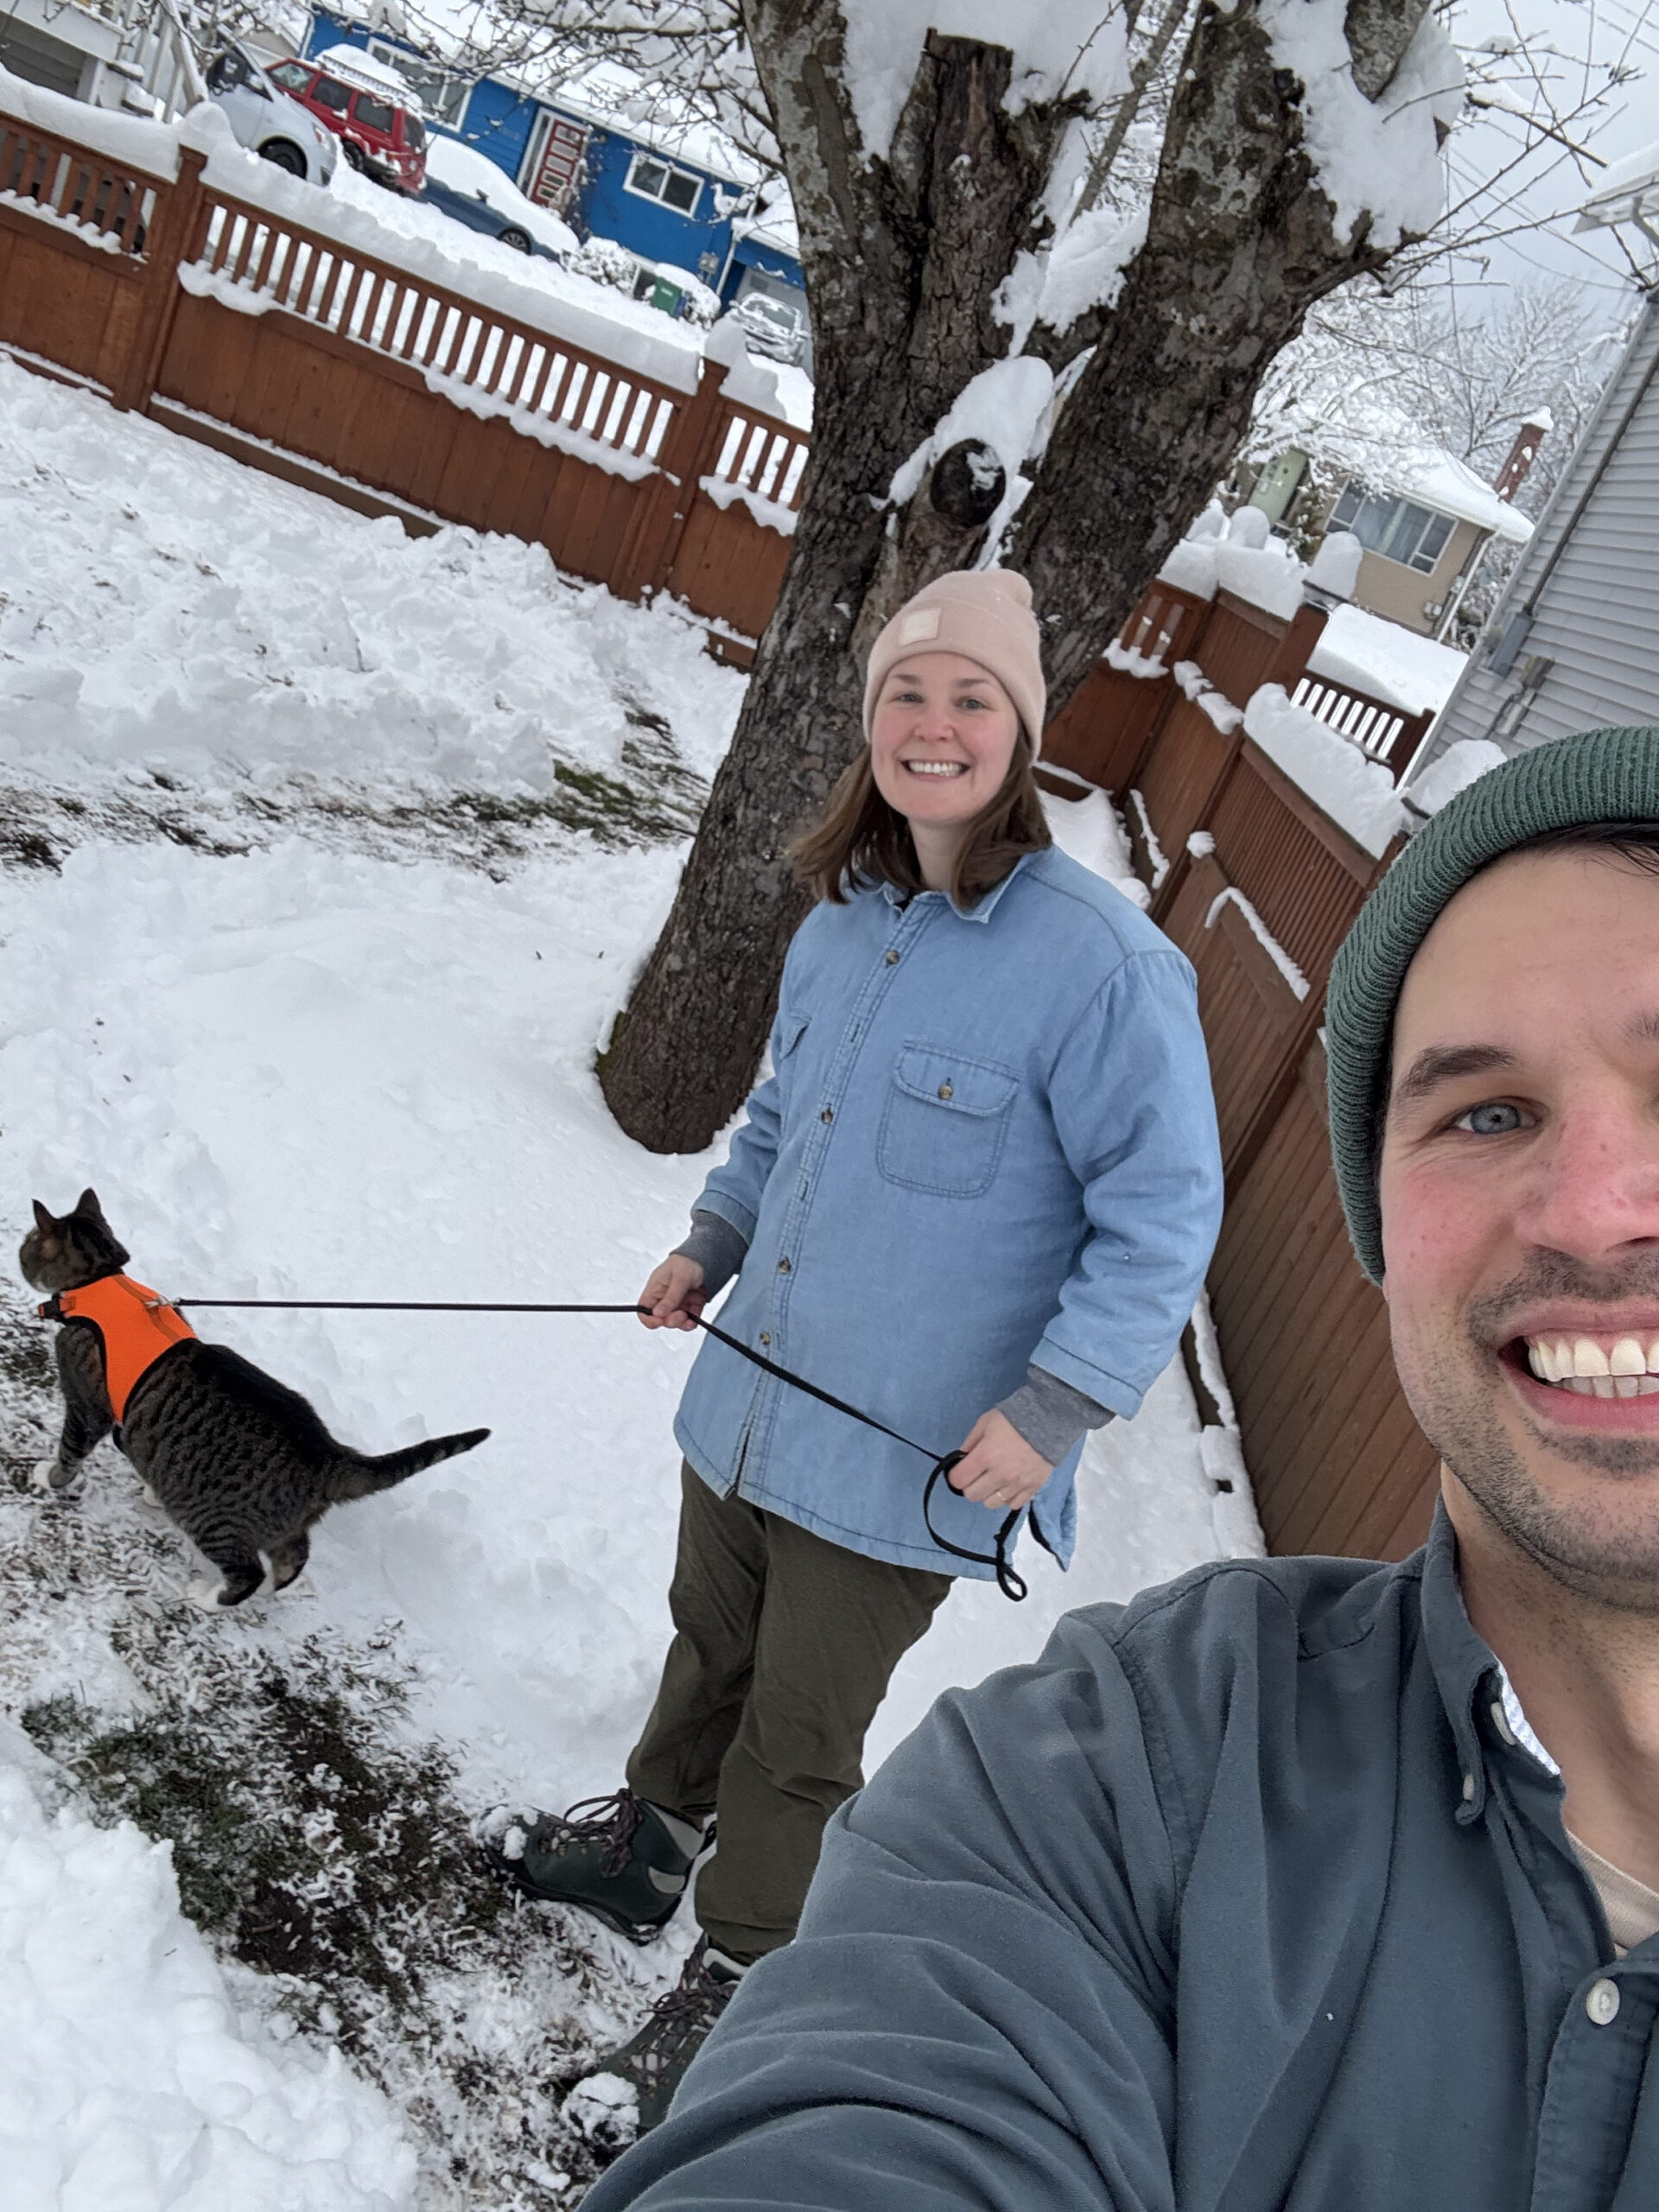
(617, 1857)
(675, 2030)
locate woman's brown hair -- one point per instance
(860, 836)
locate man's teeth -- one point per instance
(937, 767)
(1626, 1368)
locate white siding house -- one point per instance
(1575, 641)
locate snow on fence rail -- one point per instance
(1381, 732)
(246, 310)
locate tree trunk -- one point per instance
(902, 259)
(901, 262)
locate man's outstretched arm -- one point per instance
(977, 2010)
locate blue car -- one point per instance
(467, 185)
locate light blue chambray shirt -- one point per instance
(988, 1141)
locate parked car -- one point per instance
(771, 326)
(378, 133)
(468, 185)
(265, 123)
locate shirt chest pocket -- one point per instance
(945, 1122)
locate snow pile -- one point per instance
(1335, 565)
(1198, 689)
(129, 139)
(131, 2082)
(1385, 660)
(1088, 828)
(1356, 793)
(1240, 556)
(775, 388)
(1074, 45)
(1459, 766)
(1382, 157)
(183, 618)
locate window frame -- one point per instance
(670, 170)
(1356, 497)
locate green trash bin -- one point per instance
(667, 296)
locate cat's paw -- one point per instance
(53, 1476)
(149, 1495)
(203, 1590)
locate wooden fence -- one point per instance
(1337, 1462)
(334, 368)
(337, 369)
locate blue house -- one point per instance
(605, 153)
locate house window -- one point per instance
(1399, 530)
(443, 97)
(655, 180)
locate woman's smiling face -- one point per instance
(942, 737)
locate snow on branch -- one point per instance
(1379, 161)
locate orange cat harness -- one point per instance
(136, 1324)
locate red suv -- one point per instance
(384, 140)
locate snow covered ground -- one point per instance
(330, 854)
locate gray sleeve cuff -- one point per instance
(719, 1251)
(1050, 1415)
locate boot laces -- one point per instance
(611, 1821)
(684, 2015)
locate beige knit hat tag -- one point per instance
(922, 622)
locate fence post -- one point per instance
(1288, 667)
(171, 238)
(646, 556)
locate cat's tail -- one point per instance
(356, 1475)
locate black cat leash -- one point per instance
(1009, 1580)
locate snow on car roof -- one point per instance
(369, 74)
(463, 168)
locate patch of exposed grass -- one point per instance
(318, 1838)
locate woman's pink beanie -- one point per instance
(983, 612)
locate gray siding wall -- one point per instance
(1594, 596)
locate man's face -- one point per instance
(1520, 1194)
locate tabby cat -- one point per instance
(241, 1463)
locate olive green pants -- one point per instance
(782, 1649)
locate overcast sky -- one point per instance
(1556, 35)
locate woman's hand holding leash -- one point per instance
(998, 1469)
(675, 1295)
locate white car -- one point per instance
(266, 121)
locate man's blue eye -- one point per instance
(1496, 1120)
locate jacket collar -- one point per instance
(986, 905)
(1467, 1671)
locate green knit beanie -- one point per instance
(1605, 775)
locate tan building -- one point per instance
(1424, 536)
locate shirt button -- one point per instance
(946, 1092)
(1601, 2002)
(892, 960)
(828, 1114)
(765, 1338)
(782, 1266)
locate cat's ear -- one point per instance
(87, 1204)
(43, 1220)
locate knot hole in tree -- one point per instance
(967, 484)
